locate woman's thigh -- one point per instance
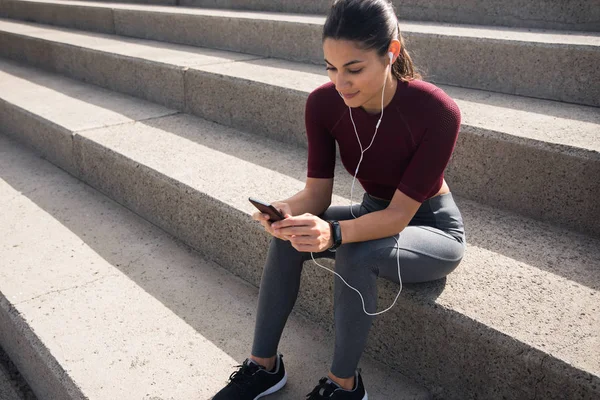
(425, 254)
(342, 213)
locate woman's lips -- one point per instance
(349, 95)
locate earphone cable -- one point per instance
(354, 216)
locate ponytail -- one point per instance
(403, 68)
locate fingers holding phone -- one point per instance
(269, 213)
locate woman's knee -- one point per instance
(353, 260)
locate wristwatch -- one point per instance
(336, 234)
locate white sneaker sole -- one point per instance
(275, 388)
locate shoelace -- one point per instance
(322, 391)
(243, 374)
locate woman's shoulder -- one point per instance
(426, 90)
(428, 97)
(420, 90)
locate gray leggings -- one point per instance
(431, 247)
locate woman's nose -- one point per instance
(342, 84)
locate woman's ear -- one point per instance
(395, 48)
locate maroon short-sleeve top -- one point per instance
(411, 150)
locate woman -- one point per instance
(407, 214)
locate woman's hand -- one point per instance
(306, 232)
(264, 219)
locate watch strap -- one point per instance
(336, 233)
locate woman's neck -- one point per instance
(373, 106)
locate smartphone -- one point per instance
(266, 208)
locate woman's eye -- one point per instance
(350, 71)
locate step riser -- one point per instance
(240, 244)
(550, 185)
(535, 182)
(51, 140)
(504, 66)
(278, 39)
(159, 83)
(547, 14)
(93, 19)
(39, 368)
(254, 107)
(511, 67)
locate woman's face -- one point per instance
(358, 75)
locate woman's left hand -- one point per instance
(305, 232)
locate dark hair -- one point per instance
(372, 24)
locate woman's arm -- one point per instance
(380, 224)
(308, 232)
(314, 199)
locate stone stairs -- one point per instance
(209, 126)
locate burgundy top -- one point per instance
(413, 145)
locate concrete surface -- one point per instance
(509, 140)
(143, 69)
(52, 133)
(548, 14)
(67, 14)
(204, 82)
(127, 311)
(513, 61)
(7, 389)
(496, 327)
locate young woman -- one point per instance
(400, 132)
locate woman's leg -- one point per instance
(279, 287)
(425, 254)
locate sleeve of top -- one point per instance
(321, 144)
(425, 171)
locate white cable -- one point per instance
(357, 291)
(354, 216)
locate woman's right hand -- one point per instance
(264, 219)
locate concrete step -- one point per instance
(518, 319)
(547, 14)
(535, 157)
(8, 389)
(512, 61)
(96, 303)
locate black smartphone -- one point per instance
(266, 208)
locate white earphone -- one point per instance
(391, 56)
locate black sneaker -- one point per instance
(327, 389)
(252, 381)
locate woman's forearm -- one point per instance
(307, 202)
(375, 225)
